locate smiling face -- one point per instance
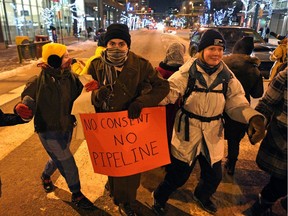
(213, 55)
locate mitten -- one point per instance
(23, 111)
(30, 102)
(92, 85)
(134, 110)
(256, 129)
(103, 93)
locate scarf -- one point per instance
(206, 67)
(112, 57)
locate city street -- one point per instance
(22, 157)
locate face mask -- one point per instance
(116, 56)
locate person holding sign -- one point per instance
(207, 87)
(122, 76)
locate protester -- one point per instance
(80, 67)
(50, 96)
(121, 75)
(208, 88)
(279, 55)
(245, 68)
(173, 60)
(272, 154)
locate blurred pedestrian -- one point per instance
(207, 88)
(50, 96)
(272, 154)
(121, 75)
(267, 34)
(89, 30)
(245, 68)
(279, 55)
(173, 60)
(54, 36)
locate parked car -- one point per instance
(233, 34)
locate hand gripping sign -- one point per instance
(120, 146)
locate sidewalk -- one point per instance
(10, 59)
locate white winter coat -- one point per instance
(208, 105)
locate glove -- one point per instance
(30, 102)
(23, 111)
(134, 110)
(92, 85)
(256, 129)
(103, 93)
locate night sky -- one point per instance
(161, 5)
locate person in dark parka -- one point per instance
(245, 68)
(272, 154)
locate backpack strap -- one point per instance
(223, 77)
(190, 84)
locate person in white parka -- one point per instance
(198, 128)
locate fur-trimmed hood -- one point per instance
(241, 59)
(245, 68)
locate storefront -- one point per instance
(39, 17)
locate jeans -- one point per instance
(57, 144)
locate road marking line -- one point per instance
(11, 95)
(9, 139)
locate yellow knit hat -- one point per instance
(52, 54)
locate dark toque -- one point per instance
(119, 31)
(244, 46)
(211, 37)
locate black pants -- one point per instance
(124, 189)
(275, 189)
(178, 173)
(234, 132)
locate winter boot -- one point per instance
(262, 207)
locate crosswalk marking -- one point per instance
(11, 95)
(10, 141)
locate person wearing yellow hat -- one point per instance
(81, 68)
(50, 96)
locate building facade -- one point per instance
(68, 17)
